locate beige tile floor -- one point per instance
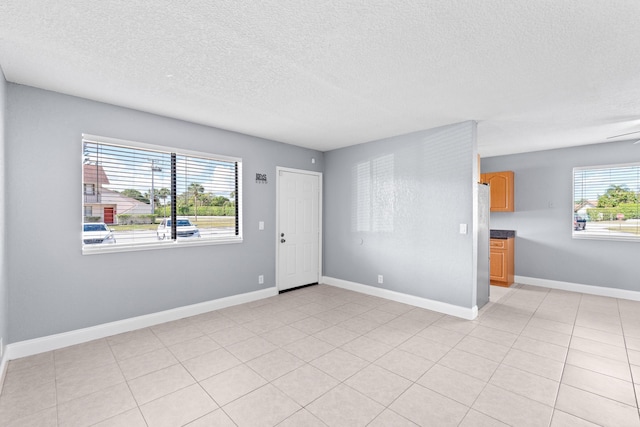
(323, 356)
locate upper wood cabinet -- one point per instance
(501, 184)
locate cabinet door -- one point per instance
(501, 184)
(498, 265)
(501, 261)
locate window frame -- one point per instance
(143, 246)
(608, 237)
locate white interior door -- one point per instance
(298, 229)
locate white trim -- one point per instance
(577, 287)
(440, 307)
(3, 368)
(106, 249)
(65, 339)
(277, 227)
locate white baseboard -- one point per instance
(440, 307)
(576, 287)
(65, 339)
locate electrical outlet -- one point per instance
(260, 279)
(380, 278)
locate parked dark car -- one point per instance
(579, 223)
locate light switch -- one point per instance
(463, 228)
(261, 225)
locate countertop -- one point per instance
(502, 234)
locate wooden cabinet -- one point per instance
(501, 184)
(501, 261)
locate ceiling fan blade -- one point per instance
(623, 134)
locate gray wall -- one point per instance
(394, 206)
(543, 218)
(4, 287)
(52, 287)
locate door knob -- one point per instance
(282, 240)
(281, 234)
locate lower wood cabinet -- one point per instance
(501, 261)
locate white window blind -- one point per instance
(150, 195)
(606, 202)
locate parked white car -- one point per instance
(184, 229)
(97, 233)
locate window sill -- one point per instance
(605, 237)
(115, 248)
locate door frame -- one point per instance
(277, 227)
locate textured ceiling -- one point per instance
(535, 74)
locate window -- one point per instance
(140, 191)
(606, 202)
